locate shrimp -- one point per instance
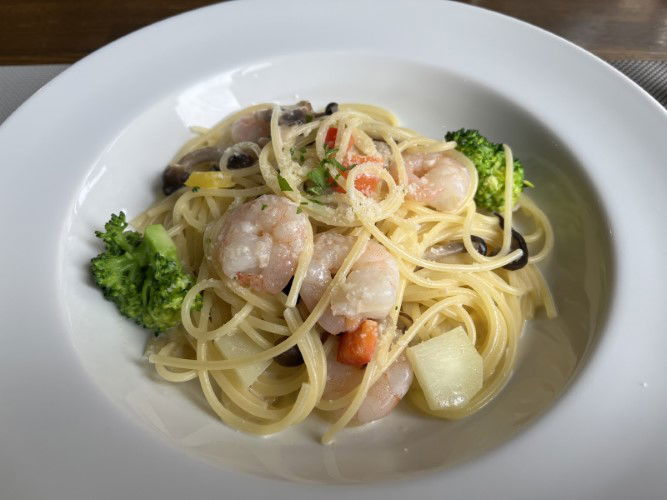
(436, 179)
(381, 398)
(368, 292)
(259, 243)
(384, 151)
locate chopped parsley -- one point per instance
(330, 159)
(283, 184)
(298, 155)
(320, 180)
(195, 189)
(263, 206)
(329, 153)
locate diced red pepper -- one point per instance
(330, 139)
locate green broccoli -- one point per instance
(142, 275)
(489, 159)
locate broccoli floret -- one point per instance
(142, 275)
(489, 159)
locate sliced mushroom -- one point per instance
(207, 154)
(173, 178)
(297, 114)
(517, 242)
(264, 114)
(176, 174)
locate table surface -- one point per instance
(63, 31)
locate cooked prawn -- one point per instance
(259, 243)
(381, 398)
(368, 292)
(437, 180)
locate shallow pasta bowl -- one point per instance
(84, 417)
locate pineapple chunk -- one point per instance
(448, 369)
(238, 345)
(206, 180)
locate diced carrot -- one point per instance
(355, 159)
(367, 184)
(357, 347)
(330, 139)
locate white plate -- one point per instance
(81, 414)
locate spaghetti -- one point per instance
(362, 182)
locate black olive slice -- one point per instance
(479, 244)
(331, 108)
(240, 160)
(517, 242)
(291, 357)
